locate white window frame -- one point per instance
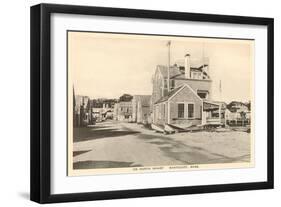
(184, 114)
(187, 103)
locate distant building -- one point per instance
(102, 109)
(123, 108)
(213, 111)
(141, 109)
(238, 113)
(123, 111)
(236, 106)
(103, 102)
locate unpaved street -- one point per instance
(115, 144)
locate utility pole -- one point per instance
(168, 78)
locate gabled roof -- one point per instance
(175, 91)
(176, 72)
(234, 105)
(170, 94)
(164, 70)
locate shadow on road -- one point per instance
(85, 134)
(189, 154)
(76, 153)
(102, 164)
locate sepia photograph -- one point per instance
(142, 103)
(132, 103)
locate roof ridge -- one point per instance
(172, 92)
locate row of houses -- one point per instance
(88, 111)
(136, 108)
(128, 108)
(181, 97)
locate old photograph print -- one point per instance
(141, 103)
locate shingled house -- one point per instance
(187, 100)
(141, 109)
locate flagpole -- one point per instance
(168, 78)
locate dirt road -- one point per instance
(116, 144)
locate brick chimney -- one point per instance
(187, 65)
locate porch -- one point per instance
(213, 114)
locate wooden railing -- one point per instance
(213, 121)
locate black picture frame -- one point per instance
(41, 102)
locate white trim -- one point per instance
(210, 102)
(169, 112)
(186, 109)
(163, 79)
(157, 68)
(193, 110)
(185, 103)
(202, 111)
(161, 75)
(183, 86)
(183, 110)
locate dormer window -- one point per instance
(196, 75)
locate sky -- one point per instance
(104, 65)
